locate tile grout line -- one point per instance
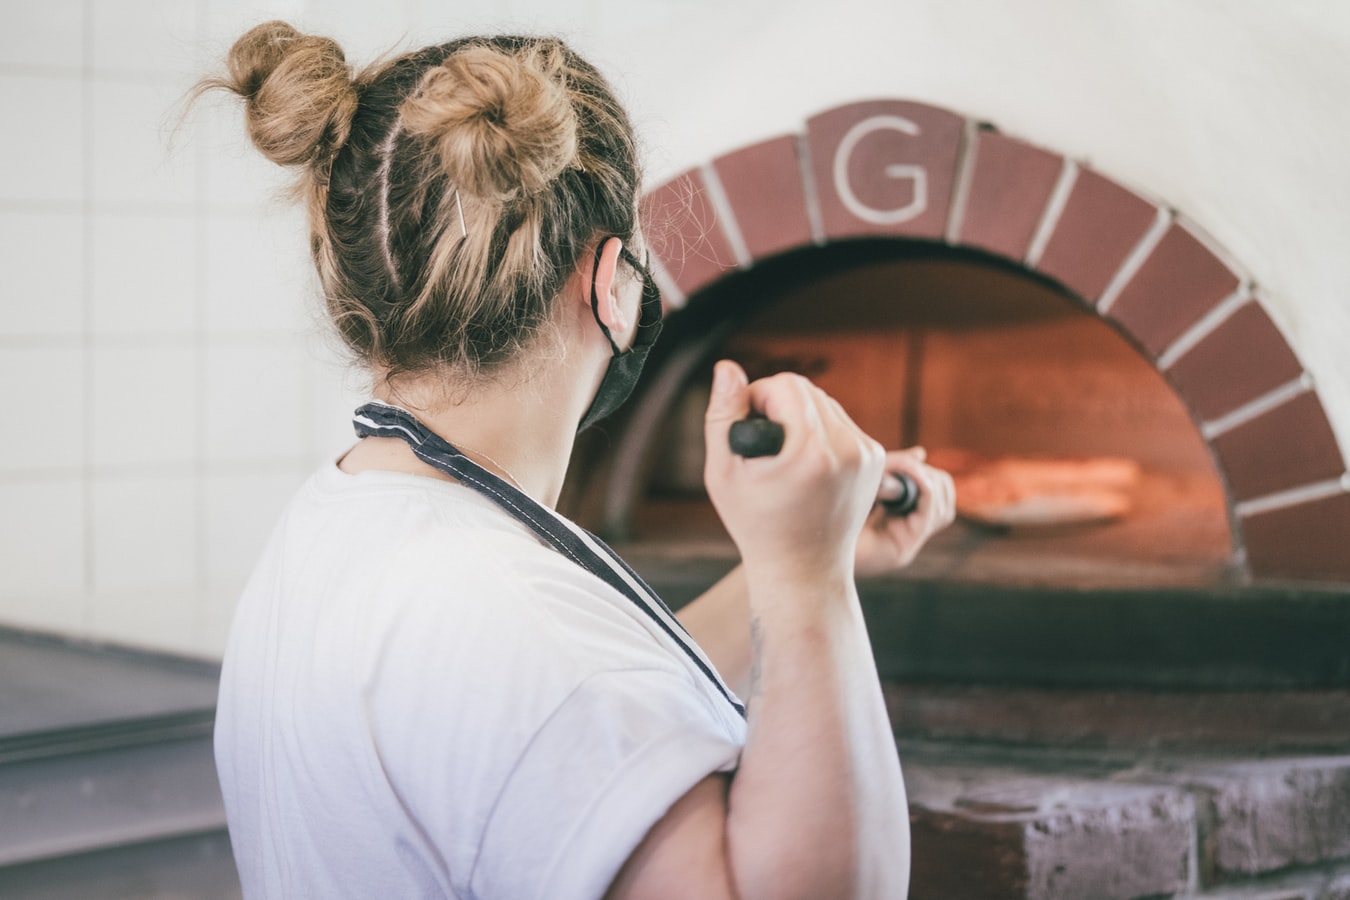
(184, 468)
(1221, 312)
(670, 291)
(1258, 407)
(814, 220)
(241, 211)
(87, 306)
(115, 74)
(1308, 493)
(1132, 263)
(200, 200)
(965, 175)
(144, 340)
(1054, 208)
(721, 204)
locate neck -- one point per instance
(516, 427)
(520, 425)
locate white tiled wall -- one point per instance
(49, 171)
(156, 294)
(156, 297)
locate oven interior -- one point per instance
(1076, 462)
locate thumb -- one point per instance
(730, 401)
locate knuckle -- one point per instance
(852, 453)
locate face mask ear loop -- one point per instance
(595, 301)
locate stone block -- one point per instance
(1319, 883)
(1262, 892)
(1264, 816)
(991, 832)
(1336, 888)
(1127, 847)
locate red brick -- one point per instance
(763, 184)
(913, 202)
(1289, 446)
(1241, 359)
(1099, 226)
(1179, 282)
(954, 855)
(681, 224)
(1009, 188)
(1308, 541)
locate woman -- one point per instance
(435, 684)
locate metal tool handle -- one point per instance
(758, 436)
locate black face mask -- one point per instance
(625, 366)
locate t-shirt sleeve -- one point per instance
(603, 769)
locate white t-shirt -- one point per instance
(420, 699)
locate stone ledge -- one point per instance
(1138, 721)
(1002, 822)
(1011, 825)
(1258, 817)
(1323, 883)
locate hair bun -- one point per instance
(502, 123)
(301, 99)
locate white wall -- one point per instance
(157, 301)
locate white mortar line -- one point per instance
(813, 216)
(1222, 312)
(1054, 208)
(88, 534)
(965, 173)
(1135, 261)
(1258, 407)
(1319, 490)
(717, 196)
(669, 289)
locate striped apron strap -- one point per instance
(377, 419)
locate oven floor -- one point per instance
(1176, 535)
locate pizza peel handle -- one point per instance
(758, 436)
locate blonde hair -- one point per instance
(451, 191)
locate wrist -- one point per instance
(780, 588)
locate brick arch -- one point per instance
(910, 171)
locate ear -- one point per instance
(609, 309)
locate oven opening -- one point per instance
(1075, 462)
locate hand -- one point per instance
(797, 514)
(889, 542)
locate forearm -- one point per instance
(719, 620)
(817, 807)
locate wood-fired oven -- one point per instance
(1150, 493)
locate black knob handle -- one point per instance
(906, 500)
(758, 436)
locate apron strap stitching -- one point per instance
(417, 436)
